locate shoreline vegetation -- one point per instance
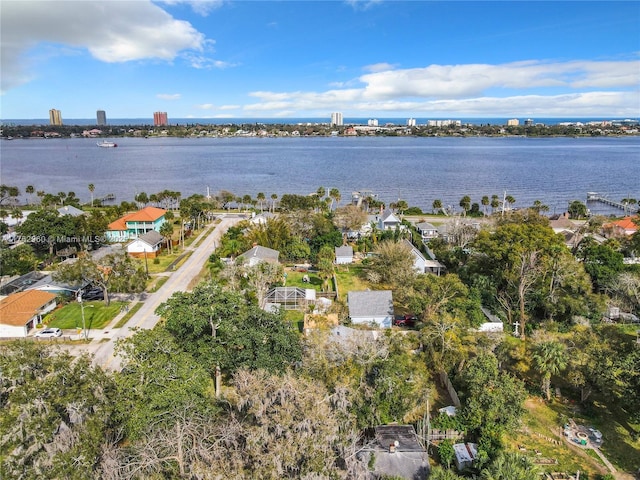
(454, 129)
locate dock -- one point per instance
(596, 197)
(107, 198)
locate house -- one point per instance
(260, 254)
(135, 224)
(560, 223)
(388, 221)
(261, 218)
(465, 454)
(70, 210)
(371, 307)
(21, 312)
(621, 228)
(398, 453)
(344, 255)
(426, 230)
(147, 245)
(422, 264)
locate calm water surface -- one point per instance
(418, 170)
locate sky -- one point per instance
(306, 59)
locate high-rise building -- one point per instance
(513, 122)
(55, 117)
(160, 119)
(101, 117)
(411, 122)
(336, 118)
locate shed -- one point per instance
(344, 255)
(465, 453)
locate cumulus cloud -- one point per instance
(577, 88)
(460, 81)
(109, 31)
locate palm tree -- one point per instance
(274, 197)
(91, 190)
(485, 203)
(260, 197)
(549, 358)
(29, 191)
(436, 205)
(510, 466)
(465, 203)
(334, 193)
(495, 202)
(166, 230)
(538, 206)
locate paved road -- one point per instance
(145, 317)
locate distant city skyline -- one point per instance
(402, 59)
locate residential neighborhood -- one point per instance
(405, 315)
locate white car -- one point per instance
(49, 333)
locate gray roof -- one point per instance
(263, 253)
(373, 303)
(344, 251)
(425, 226)
(70, 210)
(152, 238)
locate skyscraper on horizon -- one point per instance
(160, 119)
(101, 117)
(336, 118)
(55, 117)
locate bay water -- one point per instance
(418, 170)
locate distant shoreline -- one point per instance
(364, 121)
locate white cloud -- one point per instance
(169, 96)
(379, 67)
(460, 81)
(111, 31)
(576, 88)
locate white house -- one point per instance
(371, 307)
(260, 254)
(21, 312)
(147, 245)
(426, 230)
(344, 255)
(422, 264)
(388, 221)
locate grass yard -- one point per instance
(294, 279)
(349, 277)
(96, 315)
(542, 424)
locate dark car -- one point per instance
(405, 321)
(93, 294)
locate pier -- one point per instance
(596, 197)
(107, 198)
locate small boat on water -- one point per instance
(106, 144)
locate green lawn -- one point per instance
(96, 315)
(349, 278)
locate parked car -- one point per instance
(93, 294)
(49, 333)
(405, 321)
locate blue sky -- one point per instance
(422, 59)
